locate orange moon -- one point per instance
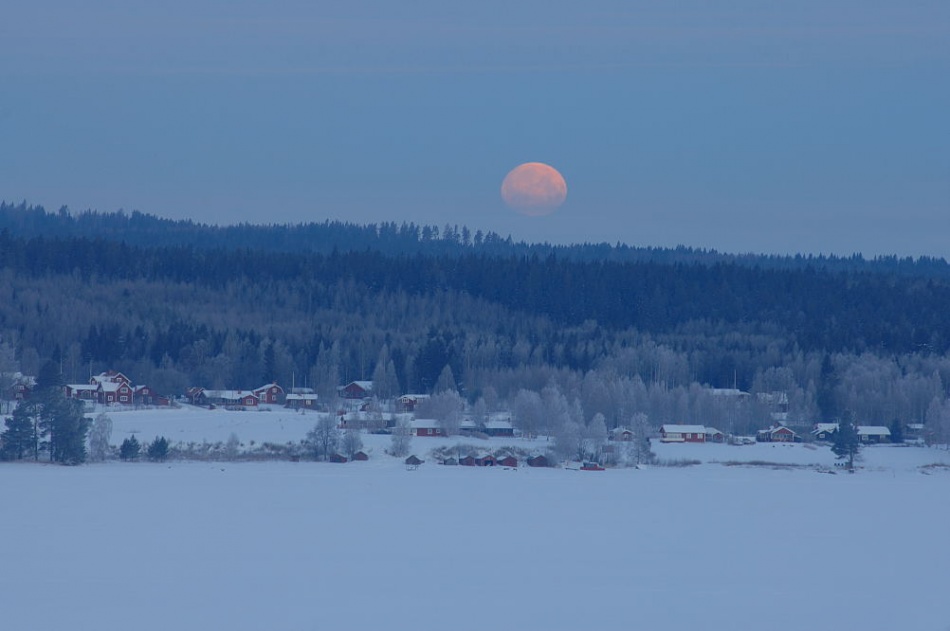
(534, 189)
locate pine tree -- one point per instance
(130, 448)
(158, 450)
(897, 431)
(846, 443)
(18, 438)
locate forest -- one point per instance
(176, 304)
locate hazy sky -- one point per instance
(740, 125)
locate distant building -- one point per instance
(357, 390)
(682, 434)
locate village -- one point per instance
(356, 408)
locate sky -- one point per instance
(739, 125)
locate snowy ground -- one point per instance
(371, 545)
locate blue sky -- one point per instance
(744, 126)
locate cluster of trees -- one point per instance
(612, 330)
(47, 425)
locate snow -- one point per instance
(364, 545)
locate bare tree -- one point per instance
(352, 442)
(99, 436)
(595, 437)
(232, 447)
(401, 438)
(323, 439)
(568, 440)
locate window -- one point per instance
(123, 399)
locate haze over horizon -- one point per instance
(818, 128)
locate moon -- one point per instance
(534, 189)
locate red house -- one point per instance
(682, 434)
(426, 427)
(269, 393)
(357, 390)
(776, 434)
(115, 392)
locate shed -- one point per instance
(361, 456)
(413, 461)
(539, 461)
(508, 461)
(486, 461)
(337, 458)
(468, 461)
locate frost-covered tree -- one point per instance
(528, 412)
(99, 436)
(232, 447)
(352, 442)
(568, 441)
(445, 407)
(322, 440)
(401, 438)
(938, 422)
(446, 381)
(385, 380)
(641, 451)
(595, 437)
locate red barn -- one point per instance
(508, 461)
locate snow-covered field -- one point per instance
(373, 546)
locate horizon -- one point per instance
(815, 129)
(75, 214)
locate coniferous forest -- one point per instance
(177, 303)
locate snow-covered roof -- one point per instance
(111, 386)
(728, 392)
(683, 429)
(425, 423)
(824, 427)
(365, 385)
(712, 431)
(413, 397)
(229, 395)
(873, 430)
(498, 424)
(76, 387)
(301, 397)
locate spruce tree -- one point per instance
(17, 438)
(130, 448)
(846, 443)
(897, 431)
(158, 450)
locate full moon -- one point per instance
(534, 189)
